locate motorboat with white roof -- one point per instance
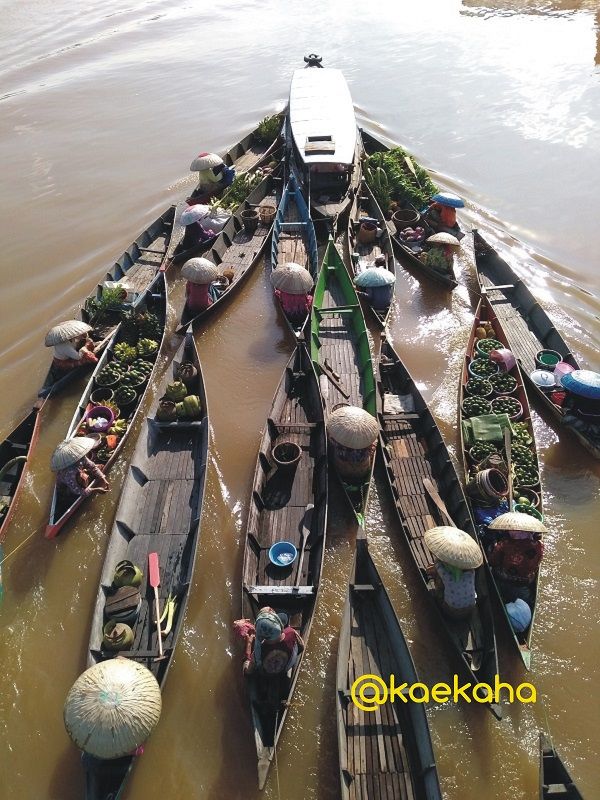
(322, 138)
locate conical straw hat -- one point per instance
(517, 521)
(112, 708)
(375, 276)
(454, 547)
(200, 270)
(205, 161)
(70, 451)
(443, 238)
(292, 278)
(194, 213)
(65, 331)
(353, 427)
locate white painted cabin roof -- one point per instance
(321, 105)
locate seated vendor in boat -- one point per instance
(195, 234)
(439, 252)
(75, 472)
(200, 273)
(271, 648)
(515, 559)
(376, 284)
(441, 214)
(72, 347)
(213, 174)
(582, 387)
(293, 285)
(457, 556)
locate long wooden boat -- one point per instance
(64, 506)
(386, 752)
(237, 249)
(339, 348)
(409, 254)
(528, 330)
(287, 503)
(364, 253)
(485, 313)
(427, 492)
(556, 782)
(136, 268)
(294, 240)
(322, 140)
(159, 510)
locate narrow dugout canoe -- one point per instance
(294, 241)
(485, 313)
(529, 330)
(64, 506)
(159, 510)
(386, 753)
(340, 351)
(362, 249)
(287, 504)
(556, 782)
(415, 457)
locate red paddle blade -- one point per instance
(153, 569)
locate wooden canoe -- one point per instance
(339, 348)
(363, 253)
(556, 782)
(159, 510)
(415, 457)
(294, 241)
(408, 254)
(137, 267)
(286, 504)
(385, 753)
(237, 249)
(64, 506)
(485, 312)
(528, 330)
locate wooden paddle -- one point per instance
(305, 533)
(435, 496)
(154, 574)
(508, 448)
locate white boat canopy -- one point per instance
(322, 117)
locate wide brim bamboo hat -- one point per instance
(194, 213)
(454, 547)
(292, 278)
(517, 521)
(70, 451)
(200, 270)
(352, 427)
(65, 331)
(205, 161)
(443, 238)
(375, 276)
(112, 708)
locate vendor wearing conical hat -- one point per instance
(516, 560)
(457, 555)
(276, 646)
(213, 174)
(72, 346)
(376, 284)
(75, 472)
(200, 273)
(293, 285)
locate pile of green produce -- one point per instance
(140, 365)
(134, 378)
(482, 450)
(147, 347)
(503, 383)
(189, 408)
(110, 374)
(476, 407)
(506, 405)
(124, 352)
(110, 300)
(124, 395)
(521, 433)
(525, 506)
(479, 387)
(526, 475)
(390, 178)
(521, 454)
(268, 130)
(136, 325)
(118, 427)
(485, 346)
(238, 191)
(482, 367)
